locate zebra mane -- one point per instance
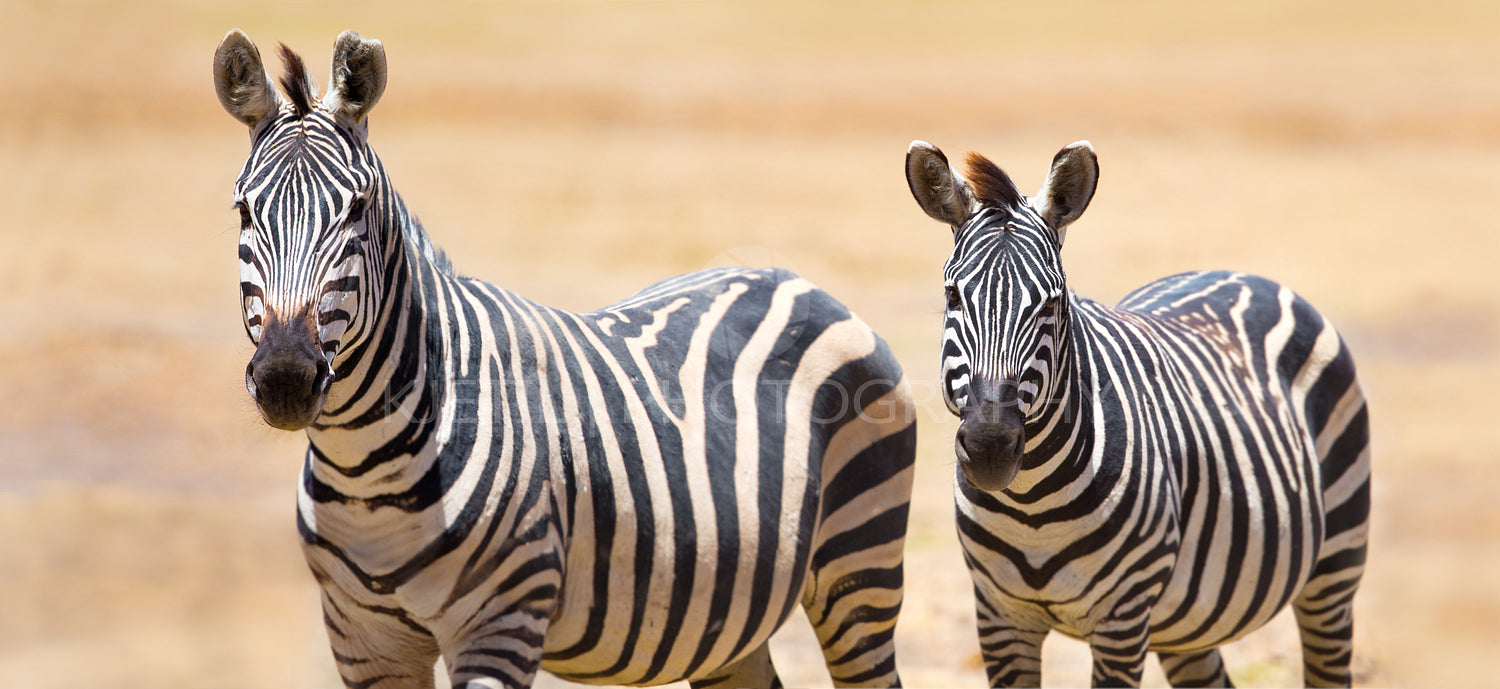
(296, 82)
(991, 185)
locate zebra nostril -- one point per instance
(975, 439)
(250, 381)
(321, 377)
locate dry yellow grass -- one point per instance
(575, 151)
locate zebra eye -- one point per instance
(244, 215)
(955, 300)
(357, 208)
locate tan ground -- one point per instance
(575, 151)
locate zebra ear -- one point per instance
(938, 188)
(240, 79)
(1069, 187)
(358, 78)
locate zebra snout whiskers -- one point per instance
(289, 374)
(991, 435)
(289, 389)
(984, 435)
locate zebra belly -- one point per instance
(662, 628)
(1247, 549)
(688, 550)
(676, 581)
(1249, 484)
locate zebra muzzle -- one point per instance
(288, 377)
(991, 439)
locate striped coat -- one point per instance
(1164, 475)
(638, 494)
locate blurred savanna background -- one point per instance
(576, 151)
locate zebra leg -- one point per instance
(1012, 656)
(854, 585)
(1325, 605)
(377, 648)
(752, 671)
(496, 659)
(1325, 617)
(854, 616)
(1201, 669)
(500, 644)
(1120, 654)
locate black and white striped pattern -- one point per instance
(1190, 461)
(634, 495)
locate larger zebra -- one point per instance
(1164, 475)
(636, 495)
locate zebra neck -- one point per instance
(1057, 447)
(385, 408)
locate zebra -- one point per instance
(633, 495)
(1164, 475)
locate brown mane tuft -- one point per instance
(991, 185)
(296, 82)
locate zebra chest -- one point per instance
(375, 541)
(417, 561)
(1056, 565)
(1076, 598)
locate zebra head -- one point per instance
(308, 197)
(1007, 311)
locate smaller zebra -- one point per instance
(1160, 476)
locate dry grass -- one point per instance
(575, 151)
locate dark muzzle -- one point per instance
(288, 377)
(991, 436)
